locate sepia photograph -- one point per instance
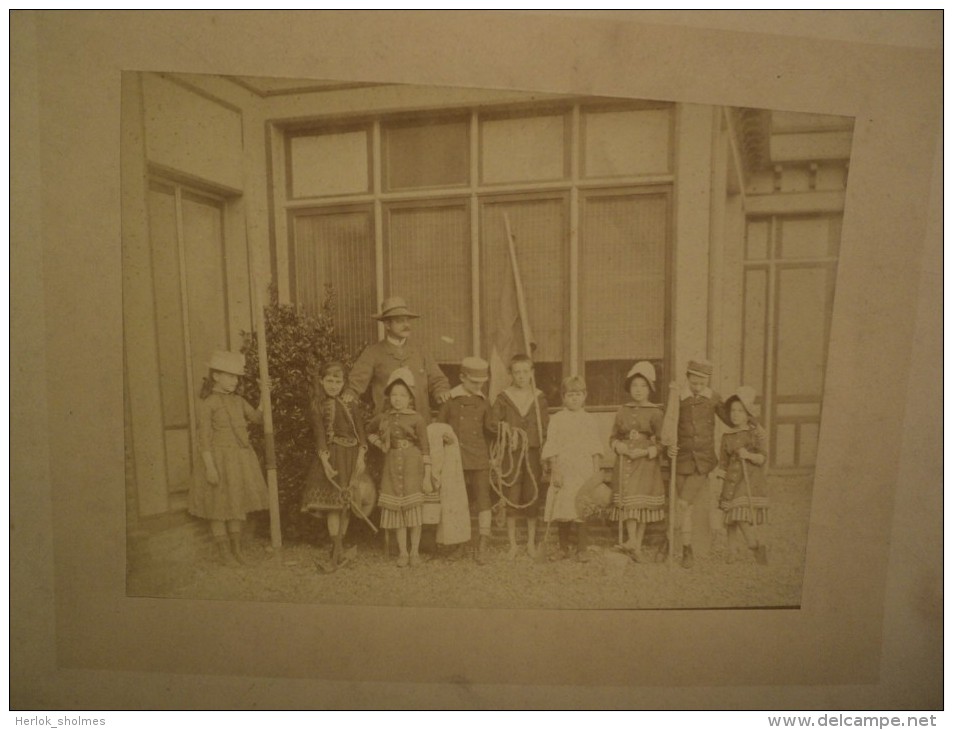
(476, 360)
(661, 275)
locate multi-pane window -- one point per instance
(417, 207)
(789, 273)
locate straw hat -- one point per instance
(475, 368)
(227, 362)
(394, 307)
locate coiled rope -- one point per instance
(508, 455)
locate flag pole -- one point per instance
(524, 322)
(271, 469)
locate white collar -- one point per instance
(395, 341)
(740, 429)
(523, 399)
(461, 392)
(707, 392)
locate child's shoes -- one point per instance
(225, 553)
(414, 560)
(559, 554)
(403, 561)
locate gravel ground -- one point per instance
(609, 580)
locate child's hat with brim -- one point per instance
(745, 395)
(475, 368)
(400, 375)
(227, 362)
(643, 368)
(700, 366)
(394, 307)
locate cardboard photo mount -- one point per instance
(866, 633)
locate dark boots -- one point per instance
(337, 550)
(688, 558)
(582, 542)
(236, 541)
(760, 553)
(224, 553)
(479, 552)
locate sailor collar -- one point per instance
(741, 429)
(521, 399)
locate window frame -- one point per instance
(574, 186)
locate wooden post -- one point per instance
(271, 469)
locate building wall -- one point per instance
(188, 145)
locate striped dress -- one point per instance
(734, 491)
(404, 436)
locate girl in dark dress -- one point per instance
(341, 447)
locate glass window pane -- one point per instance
(627, 142)
(755, 328)
(170, 333)
(428, 251)
(806, 237)
(784, 434)
(798, 409)
(524, 149)
(426, 155)
(802, 330)
(808, 452)
(337, 248)
(329, 164)
(623, 293)
(758, 232)
(541, 232)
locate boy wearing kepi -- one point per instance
(695, 452)
(469, 415)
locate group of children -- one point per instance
(506, 448)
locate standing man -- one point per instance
(379, 360)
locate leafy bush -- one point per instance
(297, 345)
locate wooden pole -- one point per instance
(271, 469)
(670, 438)
(521, 306)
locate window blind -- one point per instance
(337, 248)
(428, 250)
